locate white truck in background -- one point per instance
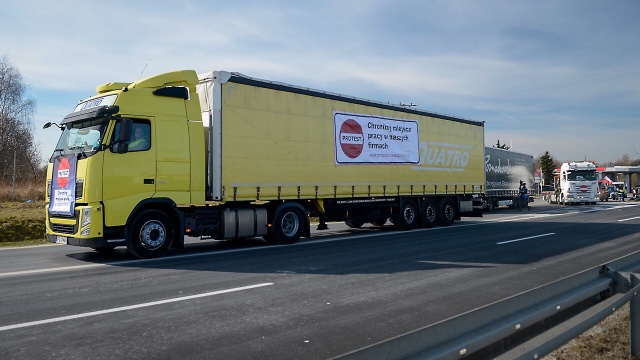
(576, 183)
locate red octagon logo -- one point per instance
(63, 172)
(351, 138)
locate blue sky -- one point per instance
(545, 75)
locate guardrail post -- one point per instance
(634, 317)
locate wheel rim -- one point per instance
(448, 212)
(152, 235)
(431, 213)
(409, 214)
(290, 224)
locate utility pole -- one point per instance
(13, 190)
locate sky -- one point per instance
(543, 75)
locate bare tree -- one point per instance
(17, 147)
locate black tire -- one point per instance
(407, 216)
(288, 225)
(491, 205)
(354, 224)
(446, 212)
(429, 213)
(379, 222)
(150, 234)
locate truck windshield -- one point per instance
(582, 175)
(82, 137)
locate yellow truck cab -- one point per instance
(124, 185)
(225, 156)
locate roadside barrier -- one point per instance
(529, 325)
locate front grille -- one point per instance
(63, 229)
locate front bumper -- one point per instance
(84, 228)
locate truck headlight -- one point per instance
(86, 216)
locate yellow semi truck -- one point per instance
(225, 156)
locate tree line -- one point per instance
(18, 149)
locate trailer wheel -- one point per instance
(379, 222)
(429, 213)
(354, 224)
(407, 218)
(150, 234)
(288, 224)
(446, 212)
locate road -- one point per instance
(336, 292)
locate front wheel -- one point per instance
(150, 234)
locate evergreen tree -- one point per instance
(548, 165)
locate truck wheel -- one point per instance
(446, 212)
(150, 234)
(288, 224)
(354, 224)
(379, 222)
(491, 205)
(429, 213)
(407, 218)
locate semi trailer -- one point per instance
(505, 170)
(221, 155)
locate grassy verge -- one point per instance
(610, 339)
(22, 223)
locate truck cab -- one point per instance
(130, 150)
(578, 183)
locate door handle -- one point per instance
(149, 181)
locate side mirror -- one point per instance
(125, 136)
(48, 125)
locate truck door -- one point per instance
(129, 177)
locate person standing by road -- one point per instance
(524, 196)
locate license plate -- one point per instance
(61, 239)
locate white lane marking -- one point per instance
(633, 218)
(522, 239)
(130, 307)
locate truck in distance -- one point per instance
(504, 171)
(226, 156)
(577, 182)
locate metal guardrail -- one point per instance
(528, 325)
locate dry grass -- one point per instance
(23, 192)
(22, 223)
(610, 339)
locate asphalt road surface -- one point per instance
(322, 297)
